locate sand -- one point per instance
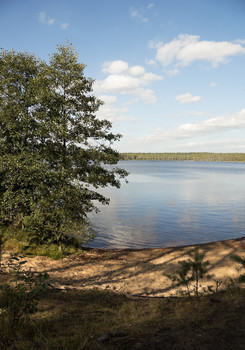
(138, 273)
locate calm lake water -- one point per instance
(173, 203)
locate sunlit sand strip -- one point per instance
(136, 272)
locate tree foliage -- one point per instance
(191, 156)
(54, 152)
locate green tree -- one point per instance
(54, 152)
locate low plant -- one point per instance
(19, 295)
(220, 286)
(241, 261)
(190, 272)
(53, 251)
(23, 243)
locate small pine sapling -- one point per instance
(191, 270)
(241, 261)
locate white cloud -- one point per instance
(206, 127)
(133, 12)
(187, 98)
(213, 125)
(240, 41)
(110, 111)
(115, 67)
(150, 5)
(213, 84)
(50, 21)
(107, 99)
(149, 77)
(138, 15)
(132, 101)
(173, 72)
(196, 113)
(127, 80)
(64, 25)
(44, 19)
(136, 70)
(154, 44)
(147, 95)
(119, 82)
(224, 144)
(186, 49)
(150, 62)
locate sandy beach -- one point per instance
(135, 272)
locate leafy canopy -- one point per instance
(54, 152)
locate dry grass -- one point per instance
(95, 319)
(76, 319)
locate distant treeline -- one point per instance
(195, 156)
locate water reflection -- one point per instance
(173, 203)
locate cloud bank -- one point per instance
(204, 128)
(186, 49)
(127, 80)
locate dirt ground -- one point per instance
(134, 272)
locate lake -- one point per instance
(172, 203)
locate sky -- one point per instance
(171, 73)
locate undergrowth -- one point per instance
(23, 243)
(95, 319)
(20, 291)
(34, 316)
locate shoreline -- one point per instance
(137, 273)
(182, 160)
(169, 247)
(184, 156)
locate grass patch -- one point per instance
(75, 319)
(53, 251)
(21, 242)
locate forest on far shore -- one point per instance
(192, 156)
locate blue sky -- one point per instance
(171, 72)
